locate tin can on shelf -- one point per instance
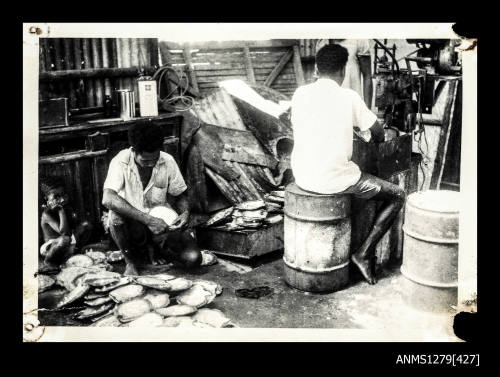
(126, 103)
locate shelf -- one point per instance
(84, 128)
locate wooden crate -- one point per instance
(383, 159)
(241, 243)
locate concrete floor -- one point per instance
(359, 306)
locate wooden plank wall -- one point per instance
(81, 177)
(215, 63)
(58, 54)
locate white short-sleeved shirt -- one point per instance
(123, 177)
(355, 48)
(323, 117)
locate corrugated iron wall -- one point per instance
(307, 48)
(213, 65)
(59, 54)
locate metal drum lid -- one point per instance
(433, 216)
(305, 206)
(443, 201)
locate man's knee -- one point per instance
(191, 257)
(87, 226)
(63, 241)
(400, 195)
(115, 219)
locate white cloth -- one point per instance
(123, 177)
(323, 117)
(355, 48)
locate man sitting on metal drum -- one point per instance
(324, 116)
(139, 180)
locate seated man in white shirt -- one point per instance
(139, 178)
(323, 118)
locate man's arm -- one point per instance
(63, 222)
(365, 66)
(60, 226)
(181, 204)
(116, 203)
(377, 131)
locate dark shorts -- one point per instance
(139, 235)
(366, 188)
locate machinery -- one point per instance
(403, 93)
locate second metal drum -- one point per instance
(430, 250)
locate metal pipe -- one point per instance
(389, 52)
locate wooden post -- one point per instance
(42, 46)
(44, 66)
(189, 67)
(134, 61)
(69, 64)
(58, 54)
(125, 56)
(444, 135)
(105, 64)
(248, 65)
(47, 55)
(297, 66)
(142, 53)
(77, 58)
(97, 60)
(114, 62)
(279, 67)
(119, 60)
(89, 85)
(153, 51)
(165, 53)
(97, 141)
(60, 87)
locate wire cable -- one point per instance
(180, 102)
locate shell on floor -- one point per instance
(45, 283)
(208, 285)
(196, 296)
(110, 320)
(79, 260)
(96, 256)
(179, 284)
(147, 320)
(181, 321)
(98, 301)
(110, 287)
(73, 295)
(94, 311)
(130, 310)
(114, 256)
(127, 292)
(176, 311)
(158, 299)
(212, 317)
(153, 282)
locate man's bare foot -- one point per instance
(158, 262)
(130, 270)
(364, 267)
(154, 259)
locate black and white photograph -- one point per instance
(246, 181)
